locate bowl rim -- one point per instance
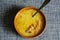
(44, 23)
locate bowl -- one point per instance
(28, 26)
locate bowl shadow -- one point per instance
(8, 19)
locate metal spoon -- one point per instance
(43, 5)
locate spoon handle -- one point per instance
(43, 5)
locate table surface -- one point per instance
(9, 8)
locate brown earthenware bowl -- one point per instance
(43, 27)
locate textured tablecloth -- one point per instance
(9, 8)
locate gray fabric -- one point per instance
(8, 9)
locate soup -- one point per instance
(28, 26)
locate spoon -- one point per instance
(43, 5)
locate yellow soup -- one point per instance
(26, 25)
